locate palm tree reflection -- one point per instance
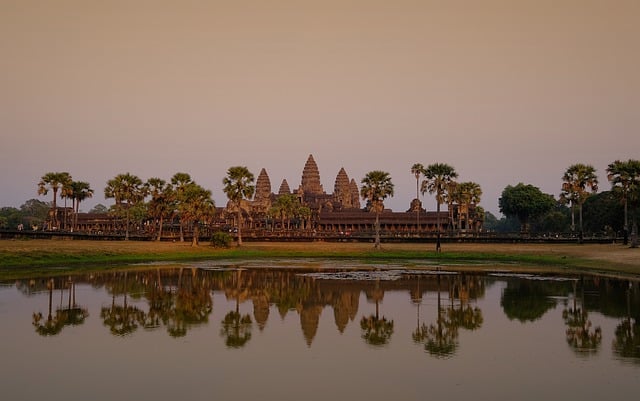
(72, 314)
(581, 336)
(236, 328)
(627, 335)
(122, 319)
(440, 339)
(376, 330)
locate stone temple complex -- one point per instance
(307, 211)
(337, 213)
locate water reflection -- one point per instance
(65, 315)
(179, 300)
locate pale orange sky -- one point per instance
(505, 91)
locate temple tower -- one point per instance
(284, 188)
(355, 194)
(311, 178)
(342, 189)
(263, 186)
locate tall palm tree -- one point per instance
(417, 170)
(127, 190)
(179, 181)
(376, 187)
(161, 202)
(197, 206)
(238, 185)
(625, 181)
(53, 182)
(438, 176)
(578, 182)
(80, 190)
(469, 193)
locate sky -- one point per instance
(505, 91)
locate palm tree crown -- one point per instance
(376, 187)
(238, 185)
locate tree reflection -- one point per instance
(53, 324)
(72, 314)
(440, 339)
(122, 319)
(581, 336)
(376, 330)
(627, 335)
(236, 328)
(526, 300)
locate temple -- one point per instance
(338, 213)
(306, 212)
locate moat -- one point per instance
(262, 330)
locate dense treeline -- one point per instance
(579, 209)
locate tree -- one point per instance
(578, 181)
(162, 202)
(525, 202)
(468, 193)
(438, 177)
(238, 185)
(80, 190)
(195, 207)
(53, 182)
(376, 187)
(34, 212)
(625, 183)
(179, 181)
(417, 170)
(128, 191)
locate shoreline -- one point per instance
(23, 257)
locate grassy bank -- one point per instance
(27, 257)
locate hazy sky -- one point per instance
(505, 91)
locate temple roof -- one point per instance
(284, 188)
(311, 178)
(263, 186)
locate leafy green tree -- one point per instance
(376, 187)
(286, 207)
(625, 183)
(525, 202)
(438, 178)
(128, 191)
(54, 182)
(34, 212)
(603, 213)
(238, 185)
(578, 182)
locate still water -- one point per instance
(243, 331)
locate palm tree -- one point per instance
(179, 181)
(53, 182)
(238, 185)
(376, 187)
(438, 177)
(469, 193)
(196, 206)
(577, 183)
(161, 202)
(80, 190)
(417, 170)
(128, 191)
(625, 181)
